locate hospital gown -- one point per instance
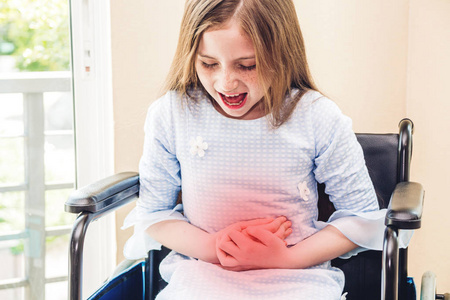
(231, 170)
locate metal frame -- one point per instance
(390, 264)
(77, 241)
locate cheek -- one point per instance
(205, 76)
(251, 80)
(202, 77)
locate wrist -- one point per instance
(209, 249)
(293, 258)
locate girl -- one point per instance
(245, 135)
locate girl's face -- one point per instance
(226, 67)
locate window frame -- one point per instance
(94, 130)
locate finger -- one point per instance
(221, 255)
(244, 232)
(238, 268)
(284, 230)
(222, 238)
(225, 247)
(229, 261)
(229, 247)
(242, 241)
(287, 229)
(224, 257)
(254, 222)
(288, 232)
(267, 238)
(275, 224)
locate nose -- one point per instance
(229, 81)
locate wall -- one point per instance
(358, 54)
(379, 60)
(428, 90)
(144, 37)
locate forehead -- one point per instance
(226, 42)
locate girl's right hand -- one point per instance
(280, 227)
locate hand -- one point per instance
(280, 227)
(254, 245)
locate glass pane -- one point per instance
(58, 109)
(56, 291)
(12, 260)
(13, 294)
(59, 159)
(35, 35)
(54, 208)
(57, 261)
(12, 165)
(12, 212)
(11, 114)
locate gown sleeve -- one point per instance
(340, 164)
(160, 181)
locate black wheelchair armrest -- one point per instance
(92, 202)
(406, 205)
(105, 194)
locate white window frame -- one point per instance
(91, 50)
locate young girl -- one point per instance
(244, 134)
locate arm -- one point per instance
(265, 252)
(190, 240)
(323, 246)
(185, 239)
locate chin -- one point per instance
(235, 113)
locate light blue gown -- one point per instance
(232, 170)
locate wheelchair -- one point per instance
(369, 275)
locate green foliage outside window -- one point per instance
(36, 34)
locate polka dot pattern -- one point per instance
(248, 171)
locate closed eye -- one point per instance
(247, 68)
(208, 66)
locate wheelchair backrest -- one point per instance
(381, 155)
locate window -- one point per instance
(37, 156)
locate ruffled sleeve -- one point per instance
(160, 180)
(339, 163)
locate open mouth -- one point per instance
(234, 101)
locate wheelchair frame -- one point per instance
(100, 198)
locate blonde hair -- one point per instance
(273, 27)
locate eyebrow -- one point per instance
(241, 58)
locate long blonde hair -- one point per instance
(273, 27)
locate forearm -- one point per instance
(323, 246)
(185, 238)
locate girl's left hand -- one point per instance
(252, 248)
